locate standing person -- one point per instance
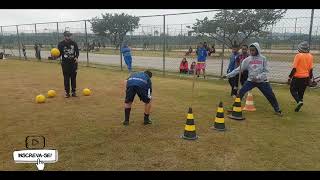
(138, 83)
(126, 52)
(301, 73)
(69, 52)
(256, 64)
(36, 50)
(39, 51)
(201, 63)
(244, 54)
(233, 81)
(24, 51)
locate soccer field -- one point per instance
(88, 133)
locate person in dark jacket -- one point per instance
(69, 52)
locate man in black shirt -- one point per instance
(69, 52)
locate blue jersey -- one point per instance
(140, 79)
(126, 51)
(202, 54)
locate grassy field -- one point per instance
(88, 133)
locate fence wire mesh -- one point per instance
(160, 42)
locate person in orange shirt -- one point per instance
(301, 73)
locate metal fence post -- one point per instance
(3, 46)
(58, 33)
(223, 46)
(87, 48)
(311, 24)
(164, 45)
(19, 43)
(120, 45)
(295, 34)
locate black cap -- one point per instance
(67, 33)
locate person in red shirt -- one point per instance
(184, 66)
(301, 74)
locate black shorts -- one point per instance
(142, 93)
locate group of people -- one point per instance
(210, 51)
(251, 67)
(253, 71)
(198, 66)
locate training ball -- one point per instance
(55, 52)
(86, 92)
(52, 93)
(40, 98)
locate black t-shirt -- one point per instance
(69, 50)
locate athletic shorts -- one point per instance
(144, 95)
(201, 66)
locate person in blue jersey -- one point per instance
(233, 81)
(126, 52)
(201, 63)
(138, 83)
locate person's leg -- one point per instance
(130, 93)
(73, 76)
(294, 89)
(266, 90)
(302, 87)
(230, 80)
(145, 96)
(128, 61)
(235, 85)
(247, 86)
(66, 78)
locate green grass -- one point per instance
(88, 133)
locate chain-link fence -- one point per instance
(160, 43)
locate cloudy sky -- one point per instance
(28, 16)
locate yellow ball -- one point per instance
(86, 92)
(55, 52)
(40, 98)
(52, 93)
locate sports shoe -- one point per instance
(74, 95)
(67, 95)
(125, 123)
(147, 122)
(299, 105)
(279, 113)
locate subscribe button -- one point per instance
(32, 156)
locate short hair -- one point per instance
(149, 73)
(244, 45)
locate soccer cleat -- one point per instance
(299, 105)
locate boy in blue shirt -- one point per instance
(138, 83)
(201, 63)
(233, 81)
(126, 52)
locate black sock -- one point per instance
(127, 113)
(146, 117)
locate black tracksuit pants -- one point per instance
(298, 87)
(69, 74)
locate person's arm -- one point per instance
(244, 66)
(76, 49)
(265, 66)
(60, 47)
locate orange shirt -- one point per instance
(303, 62)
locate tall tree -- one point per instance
(238, 25)
(114, 27)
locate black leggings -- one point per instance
(297, 88)
(69, 74)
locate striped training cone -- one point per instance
(190, 127)
(237, 111)
(249, 103)
(219, 120)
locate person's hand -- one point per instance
(224, 76)
(75, 60)
(289, 81)
(40, 165)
